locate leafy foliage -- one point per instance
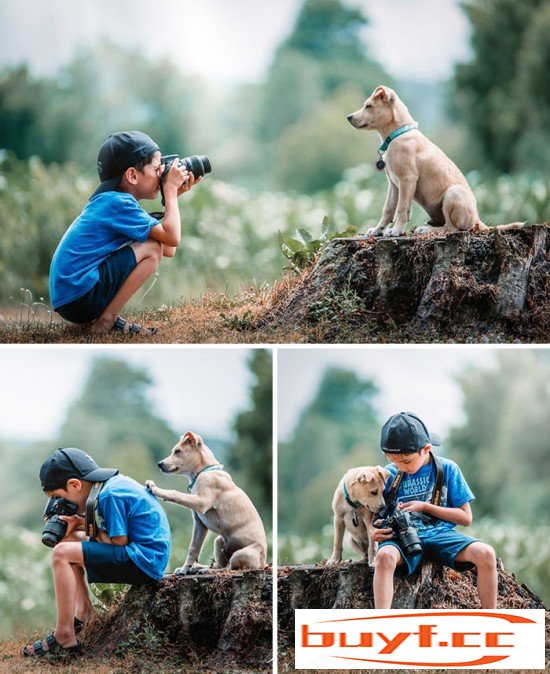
(338, 429)
(301, 249)
(503, 93)
(252, 451)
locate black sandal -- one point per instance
(122, 325)
(54, 648)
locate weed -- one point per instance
(302, 249)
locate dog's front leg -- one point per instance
(339, 528)
(407, 188)
(195, 547)
(388, 211)
(198, 502)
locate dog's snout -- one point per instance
(350, 117)
(160, 464)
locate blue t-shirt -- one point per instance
(126, 508)
(109, 221)
(419, 487)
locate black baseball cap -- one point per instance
(405, 433)
(120, 151)
(68, 462)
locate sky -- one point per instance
(412, 379)
(227, 42)
(193, 389)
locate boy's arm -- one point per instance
(461, 515)
(168, 232)
(103, 537)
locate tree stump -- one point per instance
(349, 585)
(462, 287)
(222, 620)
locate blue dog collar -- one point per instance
(381, 164)
(394, 134)
(216, 466)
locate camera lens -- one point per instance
(197, 164)
(54, 531)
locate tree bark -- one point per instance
(461, 287)
(221, 619)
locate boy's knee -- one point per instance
(386, 559)
(60, 553)
(485, 555)
(488, 555)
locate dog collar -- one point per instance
(380, 164)
(353, 504)
(216, 466)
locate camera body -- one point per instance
(56, 528)
(198, 165)
(400, 523)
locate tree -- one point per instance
(339, 429)
(250, 456)
(323, 54)
(503, 92)
(502, 446)
(113, 411)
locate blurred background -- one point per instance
(127, 408)
(264, 89)
(491, 407)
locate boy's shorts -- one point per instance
(442, 546)
(112, 273)
(106, 563)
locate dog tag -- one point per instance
(355, 520)
(380, 165)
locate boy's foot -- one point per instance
(50, 646)
(120, 324)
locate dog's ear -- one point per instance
(365, 476)
(384, 94)
(192, 439)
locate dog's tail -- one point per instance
(482, 227)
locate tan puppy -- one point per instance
(359, 496)
(218, 505)
(417, 169)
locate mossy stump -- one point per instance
(467, 287)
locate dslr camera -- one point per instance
(55, 528)
(198, 165)
(404, 531)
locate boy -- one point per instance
(407, 444)
(132, 545)
(114, 246)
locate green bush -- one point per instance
(229, 235)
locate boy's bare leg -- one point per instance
(483, 556)
(83, 608)
(65, 583)
(148, 256)
(387, 558)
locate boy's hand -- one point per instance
(176, 176)
(413, 506)
(379, 535)
(74, 523)
(189, 184)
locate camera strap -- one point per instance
(437, 490)
(91, 521)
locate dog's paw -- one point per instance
(184, 570)
(374, 231)
(332, 561)
(150, 486)
(423, 229)
(393, 231)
